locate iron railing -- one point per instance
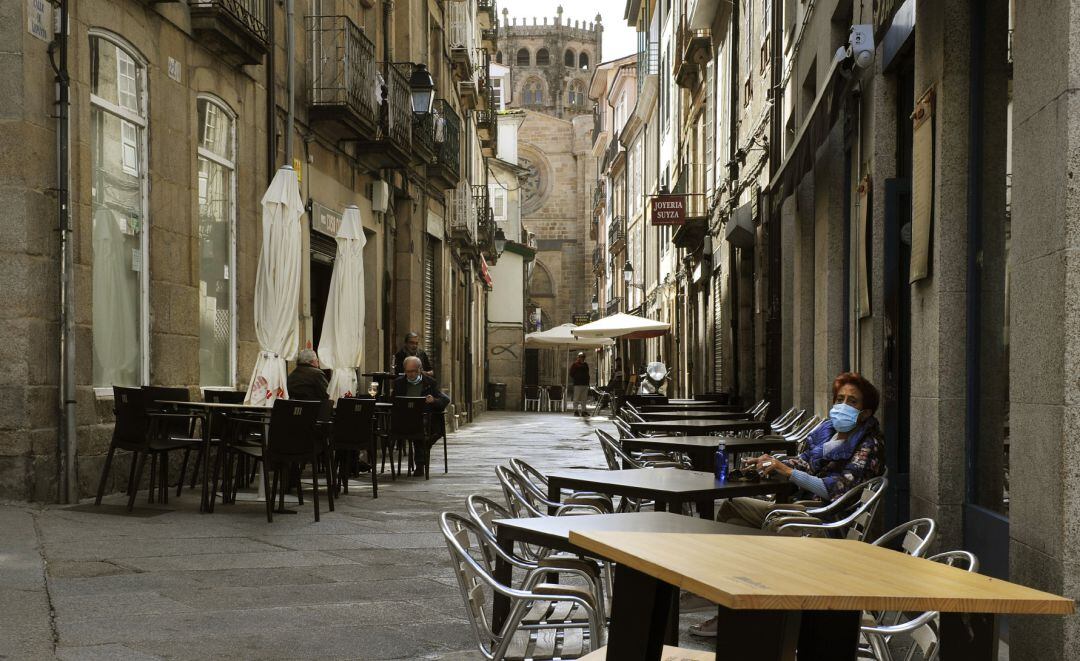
(396, 117)
(462, 208)
(343, 67)
(251, 14)
(613, 305)
(599, 258)
(616, 232)
(597, 122)
(613, 149)
(447, 129)
(598, 197)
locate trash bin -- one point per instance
(496, 397)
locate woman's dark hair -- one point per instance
(870, 395)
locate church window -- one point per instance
(523, 57)
(543, 58)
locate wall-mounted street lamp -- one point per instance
(423, 90)
(500, 240)
(628, 276)
(595, 303)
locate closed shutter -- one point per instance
(430, 343)
(718, 334)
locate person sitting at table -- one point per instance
(414, 383)
(307, 380)
(412, 348)
(845, 451)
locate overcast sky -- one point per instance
(619, 39)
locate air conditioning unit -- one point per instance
(380, 196)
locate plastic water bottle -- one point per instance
(721, 463)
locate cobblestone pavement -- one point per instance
(370, 581)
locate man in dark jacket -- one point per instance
(412, 348)
(307, 381)
(414, 383)
(579, 377)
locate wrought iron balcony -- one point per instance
(617, 234)
(486, 234)
(423, 125)
(490, 37)
(612, 151)
(343, 93)
(487, 129)
(599, 260)
(390, 145)
(447, 126)
(486, 13)
(613, 305)
(236, 30)
(599, 194)
(463, 219)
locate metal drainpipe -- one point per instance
(290, 78)
(67, 441)
(271, 98)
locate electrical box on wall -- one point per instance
(740, 227)
(380, 196)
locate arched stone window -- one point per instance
(583, 60)
(523, 57)
(568, 58)
(532, 92)
(543, 58)
(541, 284)
(498, 57)
(576, 94)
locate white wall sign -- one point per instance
(174, 69)
(39, 19)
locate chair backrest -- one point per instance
(407, 417)
(861, 514)
(517, 498)
(131, 419)
(224, 396)
(620, 457)
(630, 414)
(484, 511)
(468, 559)
(756, 408)
(172, 426)
(354, 420)
(555, 392)
(624, 429)
(528, 472)
(805, 429)
(789, 425)
(531, 392)
(292, 428)
(913, 537)
(782, 420)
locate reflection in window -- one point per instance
(216, 213)
(118, 196)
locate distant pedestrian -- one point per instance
(411, 347)
(307, 381)
(579, 377)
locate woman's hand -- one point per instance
(767, 464)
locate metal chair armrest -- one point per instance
(904, 627)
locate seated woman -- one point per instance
(845, 451)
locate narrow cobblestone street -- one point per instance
(370, 581)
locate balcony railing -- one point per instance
(599, 259)
(648, 59)
(343, 81)
(616, 233)
(599, 194)
(391, 143)
(487, 128)
(237, 30)
(423, 125)
(613, 149)
(463, 219)
(597, 123)
(613, 305)
(447, 127)
(486, 12)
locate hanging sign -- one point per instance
(668, 209)
(325, 220)
(922, 186)
(579, 318)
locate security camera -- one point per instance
(861, 45)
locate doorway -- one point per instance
(322, 269)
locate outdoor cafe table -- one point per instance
(553, 532)
(668, 487)
(702, 426)
(770, 605)
(204, 411)
(694, 415)
(700, 406)
(702, 449)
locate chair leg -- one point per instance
(163, 490)
(183, 472)
(329, 480)
(445, 456)
(105, 474)
(268, 488)
(153, 478)
(315, 483)
(373, 448)
(133, 486)
(296, 475)
(195, 468)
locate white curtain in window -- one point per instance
(341, 347)
(277, 288)
(115, 316)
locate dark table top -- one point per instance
(700, 406)
(702, 425)
(733, 444)
(661, 483)
(554, 531)
(693, 415)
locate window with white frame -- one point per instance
(118, 192)
(498, 201)
(497, 91)
(217, 214)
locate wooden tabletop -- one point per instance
(556, 528)
(656, 481)
(756, 573)
(700, 425)
(693, 415)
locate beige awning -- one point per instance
(623, 325)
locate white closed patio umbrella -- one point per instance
(341, 347)
(277, 288)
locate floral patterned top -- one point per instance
(861, 457)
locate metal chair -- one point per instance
(630, 413)
(618, 458)
(535, 608)
(524, 502)
(408, 425)
(922, 628)
(848, 517)
(624, 429)
(555, 397)
(532, 397)
(537, 482)
(914, 537)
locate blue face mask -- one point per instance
(843, 417)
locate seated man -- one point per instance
(414, 383)
(307, 381)
(845, 451)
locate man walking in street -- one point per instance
(579, 377)
(412, 348)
